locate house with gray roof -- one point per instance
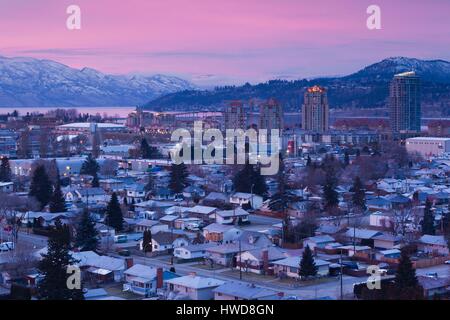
(233, 290)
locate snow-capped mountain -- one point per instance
(33, 82)
(428, 70)
(367, 88)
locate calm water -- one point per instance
(110, 111)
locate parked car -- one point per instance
(6, 246)
(447, 262)
(124, 253)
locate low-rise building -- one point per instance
(194, 287)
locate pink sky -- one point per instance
(232, 41)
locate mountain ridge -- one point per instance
(365, 88)
(28, 81)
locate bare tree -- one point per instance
(12, 210)
(109, 167)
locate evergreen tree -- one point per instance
(5, 170)
(54, 266)
(57, 201)
(41, 186)
(149, 152)
(248, 179)
(329, 192)
(282, 200)
(309, 162)
(114, 217)
(428, 220)
(308, 267)
(87, 238)
(406, 275)
(178, 177)
(147, 241)
(145, 149)
(359, 196)
(90, 166)
(95, 182)
(346, 158)
(150, 183)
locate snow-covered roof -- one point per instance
(196, 282)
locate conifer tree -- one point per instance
(428, 220)
(41, 186)
(95, 181)
(87, 238)
(178, 177)
(90, 166)
(114, 217)
(54, 266)
(5, 170)
(147, 241)
(406, 275)
(308, 267)
(250, 179)
(359, 196)
(57, 201)
(329, 192)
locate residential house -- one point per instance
(433, 245)
(91, 195)
(216, 232)
(242, 198)
(135, 193)
(244, 291)
(215, 198)
(153, 205)
(202, 212)
(386, 241)
(167, 241)
(364, 237)
(289, 267)
(434, 286)
(142, 225)
(100, 268)
(378, 204)
(194, 287)
(192, 252)
(382, 219)
(259, 260)
(318, 241)
(6, 187)
(225, 254)
(145, 280)
(234, 216)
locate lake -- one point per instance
(122, 112)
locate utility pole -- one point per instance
(342, 272)
(240, 260)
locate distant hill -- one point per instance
(367, 88)
(28, 82)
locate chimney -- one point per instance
(159, 278)
(265, 258)
(129, 262)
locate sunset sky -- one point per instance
(225, 42)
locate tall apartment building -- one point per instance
(271, 115)
(404, 103)
(315, 110)
(235, 116)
